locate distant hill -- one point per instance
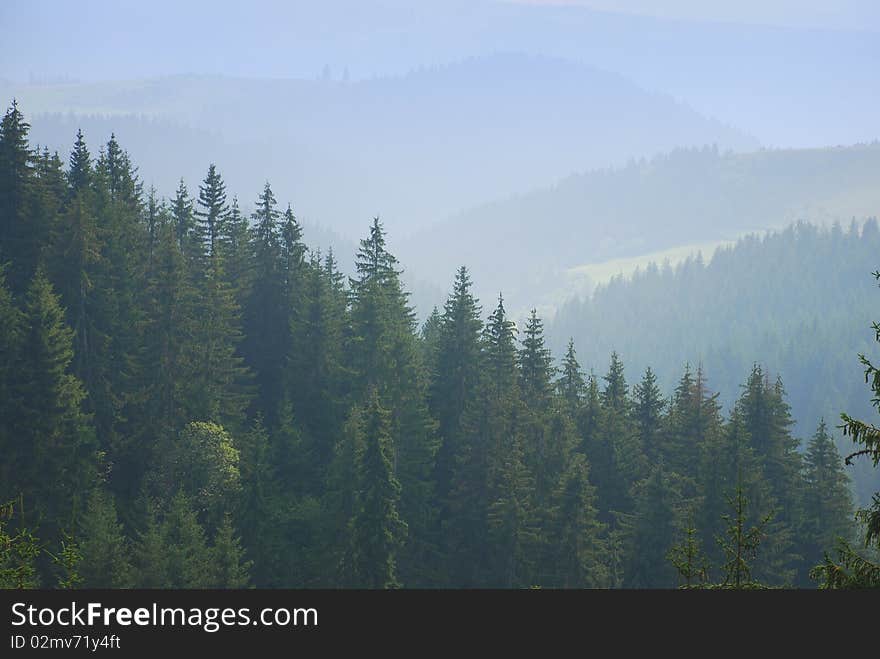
(685, 197)
(800, 302)
(413, 148)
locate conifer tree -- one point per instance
(648, 411)
(615, 453)
(210, 217)
(183, 539)
(850, 568)
(487, 420)
(652, 533)
(341, 500)
(262, 509)
(237, 258)
(80, 172)
(576, 532)
(513, 531)
(385, 355)
(316, 374)
(828, 506)
(182, 218)
(230, 568)
(377, 527)
(105, 550)
(20, 228)
(151, 560)
(52, 457)
(266, 314)
(571, 384)
(455, 380)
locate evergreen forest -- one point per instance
(191, 397)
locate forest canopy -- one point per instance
(191, 397)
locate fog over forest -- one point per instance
(481, 252)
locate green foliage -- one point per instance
(106, 561)
(852, 570)
(19, 551)
(228, 562)
(190, 399)
(68, 562)
(376, 526)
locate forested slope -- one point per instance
(192, 398)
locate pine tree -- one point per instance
(19, 241)
(653, 532)
(454, 381)
(341, 500)
(182, 218)
(513, 532)
(119, 175)
(183, 540)
(316, 375)
(385, 354)
(80, 172)
(535, 365)
(377, 527)
(52, 458)
(237, 254)
(266, 314)
(577, 532)
(261, 507)
(615, 453)
(488, 422)
(688, 559)
(230, 569)
(105, 550)
(648, 411)
(740, 544)
(828, 506)
(210, 218)
(693, 420)
(150, 557)
(850, 568)
(571, 384)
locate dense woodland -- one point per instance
(190, 397)
(799, 300)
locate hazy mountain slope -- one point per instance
(685, 197)
(795, 84)
(800, 302)
(413, 148)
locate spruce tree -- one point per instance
(850, 568)
(105, 549)
(385, 354)
(317, 376)
(151, 560)
(648, 411)
(652, 533)
(828, 506)
(377, 527)
(454, 380)
(571, 384)
(576, 534)
(52, 458)
(182, 218)
(188, 558)
(230, 568)
(266, 314)
(210, 217)
(19, 237)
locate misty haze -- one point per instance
(447, 294)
